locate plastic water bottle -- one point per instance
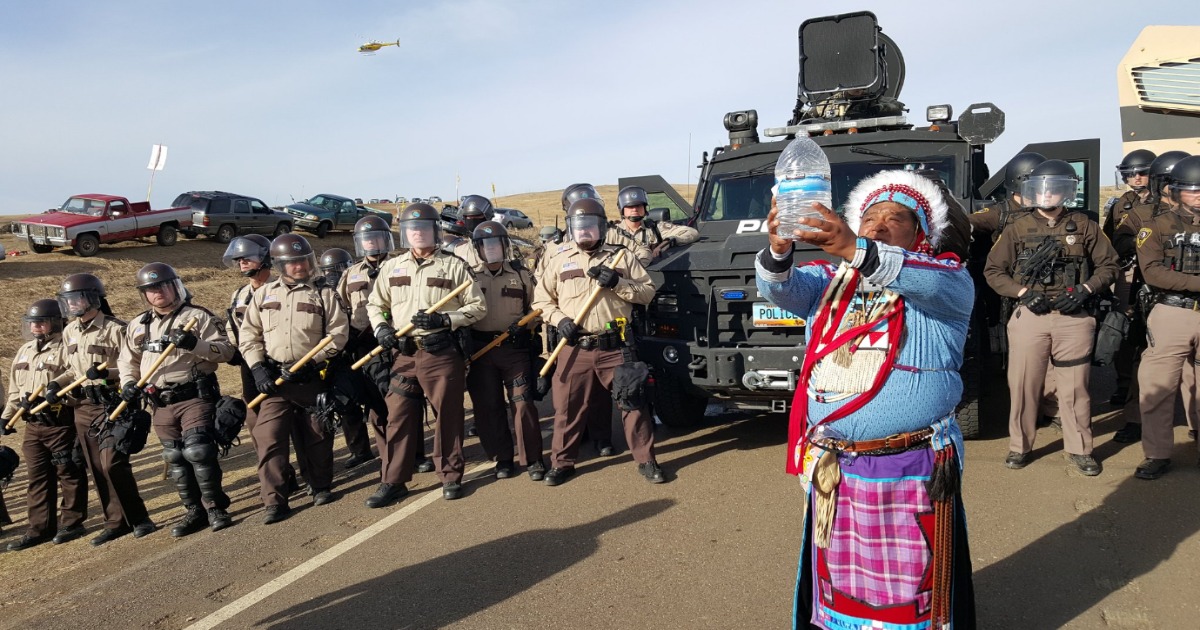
(801, 177)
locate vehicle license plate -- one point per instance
(767, 315)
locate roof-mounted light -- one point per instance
(837, 125)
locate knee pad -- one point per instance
(172, 452)
(199, 446)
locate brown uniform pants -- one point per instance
(111, 473)
(278, 417)
(1173, 340)
(582, 383)
(250, 392)
(1066, 340)
(47, 451)
(441, 376)
(505, 368)
(172, 422)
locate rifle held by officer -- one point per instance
(543, 384)
(153, 368)
(410, 327)
(66, 390)
(295, 367)
(521, 323)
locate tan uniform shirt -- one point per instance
(354, 288)
(645, 237)
(1178, 227)
(285, 322)
(407, 284)
(239, 303)
(508, 294)
(35, 364)
(563, 286)
(212, 347)
(85, 345)
(1087, 241)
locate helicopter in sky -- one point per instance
(372, 47)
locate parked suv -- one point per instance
(223, 215)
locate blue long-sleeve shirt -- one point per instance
(925, 385)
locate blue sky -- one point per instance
(271, 99)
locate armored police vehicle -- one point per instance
(708, 333)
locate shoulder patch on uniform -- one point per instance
(1142, 235)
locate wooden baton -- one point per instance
(153, 368)
(524, 321)
(75, 383)
(328, 339)
(409, 328)
(21, 410)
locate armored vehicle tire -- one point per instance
(40, 249)
(675, 406)
(968, 411)
(87, 245)
(282, 228)
(323, 229)
(225, 233)
(167, 235)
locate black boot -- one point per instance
(195, 520)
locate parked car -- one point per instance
(224, 215)
(402, 201)
(434, 200)
(83, 222)
(327, 212)
(511, 218)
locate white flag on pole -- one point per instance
(158, 157)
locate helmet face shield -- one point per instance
(419, 234)
(375, 243)
(587, 230)
(246, 256)
(298, 268)
(40, 328)
(163, 295)
(1048, 191)
(1186, 195)
(78, 303)
(491, 249)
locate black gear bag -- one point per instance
(9, 461)
(1112, 332)
(229, 417)
(130, 430)
(629, 385)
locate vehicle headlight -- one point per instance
(671, 354)
(666, 303)
(21, 229)
(310, 217)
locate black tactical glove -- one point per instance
(386, 336)
(237, 357)
(130, 392)
(4, 430)
(95, 373)
(430, 321)
(604, 276)
(183, 339)
(264, 378)
(302, 375)
(51, 393)
(514, 330)
(1036, 302)
(1071, 301)
(568, 330)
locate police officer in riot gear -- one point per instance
(429, 362)
(94, 336)
(183, 392)
(1051, 260)
(598, 345)
(1160, 175)
(508, 291)
(50, 436)
(475, 210)
(657, 236)
(1168, 248)
(333, 263)
(285, 320)
(992, 219)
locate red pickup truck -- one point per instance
(83, 222)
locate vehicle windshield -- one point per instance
(79, 205)
(747, 194)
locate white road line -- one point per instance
(312, 564)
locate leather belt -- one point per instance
(1179, 301)
(890, 444)
(603, 341)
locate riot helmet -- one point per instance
(253, 248)
(159, 277)
(1018, 168)
(373, 237)
(575, 192)
(80, 293)
(475, 210)
(1185, 183)
(633, 196)
(1135, 163)
(333, 262)
(47, 315)
(297, 262)
(587, 224)
(491, 242)
(1050, 185)
(548, 233)
(420, 227)
(1160, 170)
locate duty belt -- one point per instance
(890, 444)
(603, 341)
(172, 394)
(1180, 301)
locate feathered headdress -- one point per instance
(908, 189)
